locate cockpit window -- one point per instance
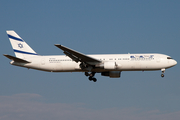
(169, 58)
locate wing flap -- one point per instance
(15, 59)
(77, 56)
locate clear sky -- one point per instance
(90, 27)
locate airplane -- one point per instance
(110, 65)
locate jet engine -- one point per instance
(109, 65)
(112, 74)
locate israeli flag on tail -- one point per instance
(20, 47)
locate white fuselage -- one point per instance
(108, 64)
(122, 62)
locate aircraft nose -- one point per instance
(172, 62)
(175, 62)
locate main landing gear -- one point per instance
(91, 76)
(163, 71)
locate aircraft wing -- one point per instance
(77, 56)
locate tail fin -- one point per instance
(20, 47)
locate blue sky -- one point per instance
(91, 27)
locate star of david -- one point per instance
(20, 45)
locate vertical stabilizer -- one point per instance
(20, 47)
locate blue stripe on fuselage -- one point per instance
(25, 52)
(15, 38)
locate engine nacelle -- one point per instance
(112, 74)
(109, 65)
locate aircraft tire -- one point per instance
(90, 78)
(162, 75)
(94, 79)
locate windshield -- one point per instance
(169, 58)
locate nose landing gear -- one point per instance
(91, 76)
(163, 71)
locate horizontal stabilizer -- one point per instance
(15, 59)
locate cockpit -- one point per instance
(169, 58)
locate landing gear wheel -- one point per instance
(90, 78)
(94, 79)
(162, 75)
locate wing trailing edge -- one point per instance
(77, 56)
